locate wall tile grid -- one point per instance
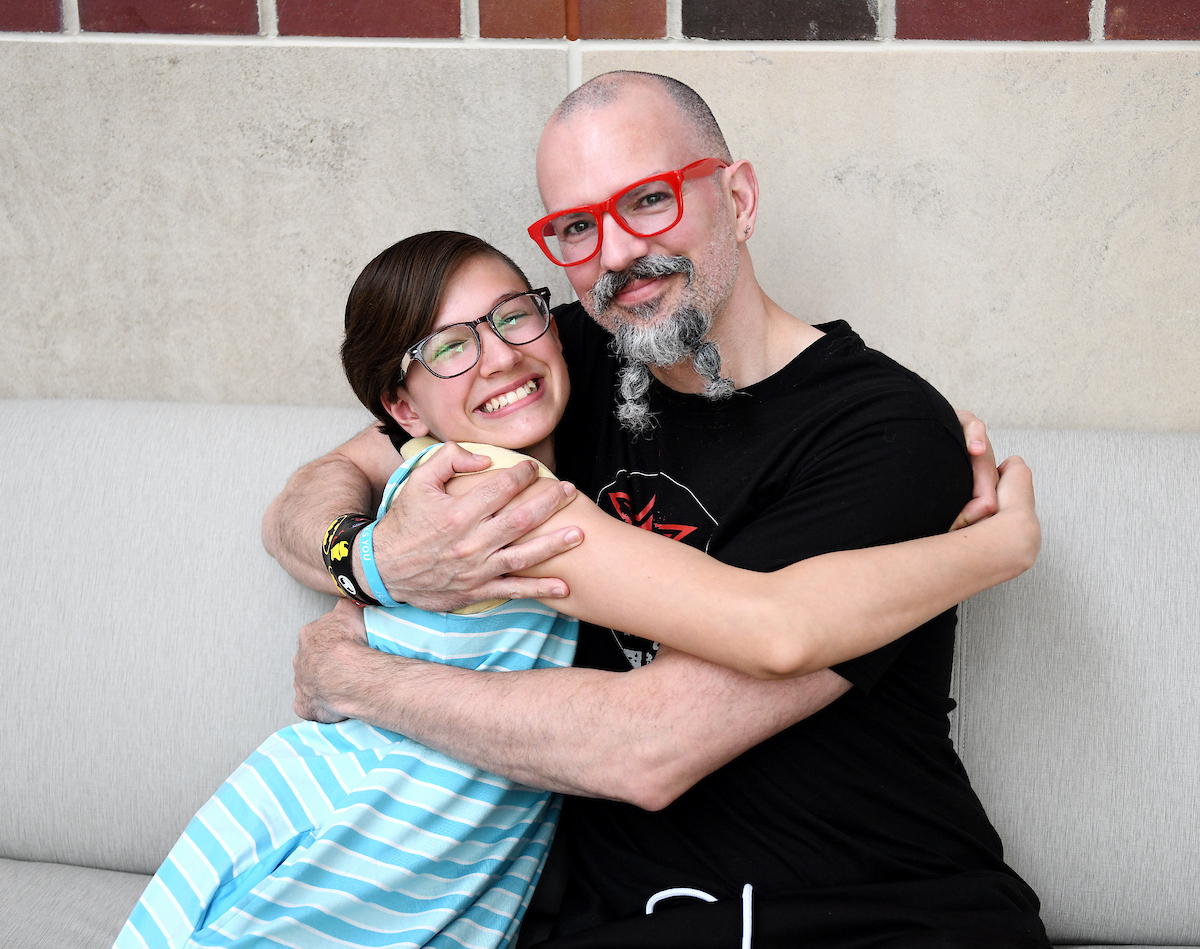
(1028, 20)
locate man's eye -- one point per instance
(577, 229)
(651, 199)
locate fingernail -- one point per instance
(976, 444)
(568, 488)
(558, 591)
(574, 536)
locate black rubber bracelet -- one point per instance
(338, 553)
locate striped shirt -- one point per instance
(350, 835)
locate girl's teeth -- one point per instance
(508, 398)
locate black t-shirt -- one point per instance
(866, 800)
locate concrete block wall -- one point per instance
(1003, 195)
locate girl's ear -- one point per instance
(401, 409)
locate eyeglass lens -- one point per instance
(648, 208)
(456, 348)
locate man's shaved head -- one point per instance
(609, 87)
(659, 295)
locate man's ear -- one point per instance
(742, 183)
(401, 409)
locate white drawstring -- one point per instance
(747, 914)
(677, 891)
(747, 905)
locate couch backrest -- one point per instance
(147, 637)
(1079, 686)
(147, 645)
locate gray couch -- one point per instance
(147, 641)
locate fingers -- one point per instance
(974, 432)
(521, 588)
(445, 462)
(1016, 483)
(976, 510)
(983, 501)
(528, 553)
(1016, 495)
(315, 658)
(509, 524)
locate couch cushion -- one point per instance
(51, 906)
(147, 636)
(1079, 686)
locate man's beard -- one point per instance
(641, 343)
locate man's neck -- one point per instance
(755, 336)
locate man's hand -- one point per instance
(440, 552)
(983, 466)
(322, 661)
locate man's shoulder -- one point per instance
(848, 376)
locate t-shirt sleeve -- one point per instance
(889, 481)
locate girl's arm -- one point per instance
(796, 620)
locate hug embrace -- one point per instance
(669, 551)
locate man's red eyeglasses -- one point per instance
(644, 208)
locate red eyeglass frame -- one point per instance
(697, 169)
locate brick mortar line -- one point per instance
(268, 18)
(468, 24)
(675, 19)
(574, 64)
(70, 17)
(1096, 13)
(861, 47)
(885, 20)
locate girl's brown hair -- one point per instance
(394, 303)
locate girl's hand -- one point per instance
(1015, 501)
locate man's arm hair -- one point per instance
(346, 480)
(643, 736)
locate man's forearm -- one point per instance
(296, 520)
(644, 736)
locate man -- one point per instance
(826, 810)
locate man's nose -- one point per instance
(620, 248)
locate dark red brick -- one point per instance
(30, 16)
(992, 19)
(522, 19)
(622, 19)
(774, 20)
(1152, 20)
(424, 18)
(169, 16)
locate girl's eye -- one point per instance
(507, 320)
(448, 349)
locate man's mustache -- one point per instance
(652, 265)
